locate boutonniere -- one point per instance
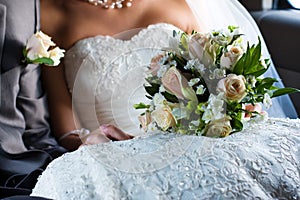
(40, 49)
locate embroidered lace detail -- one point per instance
(261, 162)
(101, 69)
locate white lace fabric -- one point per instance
(258, 163)
(106, 76)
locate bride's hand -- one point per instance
(114, 133)
(95, 137)
(105, 133)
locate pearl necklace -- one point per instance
(114, 4)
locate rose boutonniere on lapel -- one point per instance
(40, 49)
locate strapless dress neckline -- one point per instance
(106, 75)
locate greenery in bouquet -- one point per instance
(208, 84)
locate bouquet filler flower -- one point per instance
(207, 84)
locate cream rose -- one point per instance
(219, 128)
(229, 58)
(163, 118)
(37, 47)
(233, 87)
(175, 83)
(198, 48)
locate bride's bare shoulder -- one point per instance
(176, 12)
(68, 21)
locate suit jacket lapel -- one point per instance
(37, 15)
(2, 31)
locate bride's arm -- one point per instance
(60, 106)
(62, 115)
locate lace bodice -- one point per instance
(106, 76)
(258, 163)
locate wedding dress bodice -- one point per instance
(106, 76)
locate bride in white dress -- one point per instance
(105, 77)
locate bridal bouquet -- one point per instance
(207, 84)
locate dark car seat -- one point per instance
(280, 26)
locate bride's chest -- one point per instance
(108, 61)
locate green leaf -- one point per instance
(152, 89)
(256, 52)
(249, 63)
(184, 41)
(174, 33)
(141, 106)
(283, 91)
(258, 73)
(181, 62)
(236, 125)
(265, 83)
(248, 60)
(241, 64)
(234, 38)
(170, 97)
(24, 52)
(149, 97)
(44, 60)
(231, 28)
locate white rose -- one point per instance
(56, 54)
(36, 48)
(45, 39)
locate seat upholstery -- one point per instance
(281, 30)
(252, 5)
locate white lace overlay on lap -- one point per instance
(259, 163)
(106, 76)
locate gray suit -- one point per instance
(26, 144)
(23, 113)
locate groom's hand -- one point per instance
(114, 133)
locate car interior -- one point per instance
(279, 22)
